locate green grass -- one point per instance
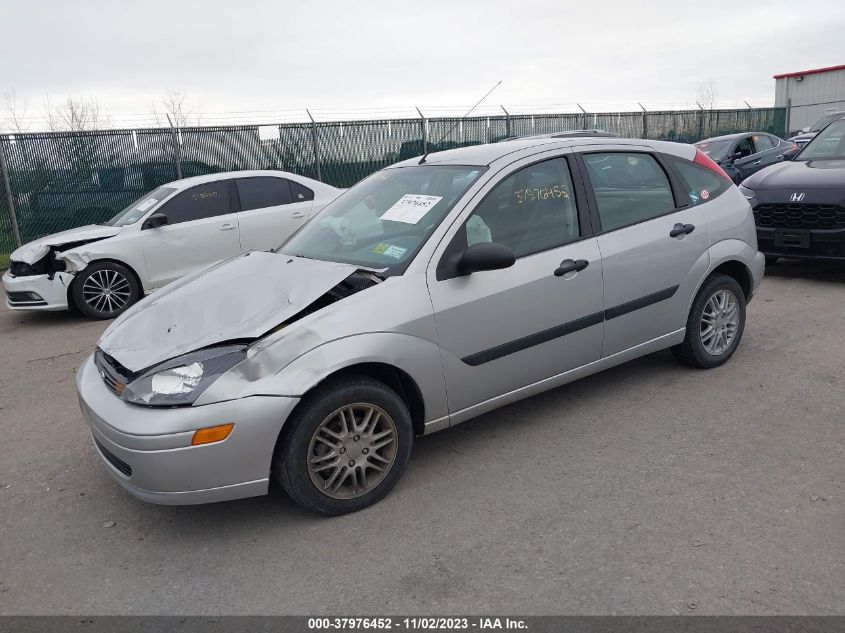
(4, 261)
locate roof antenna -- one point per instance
(422, 160)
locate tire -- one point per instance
(120, 283)
(333, 486)
(706, 352)
(771, 260)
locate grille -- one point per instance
(114, 375)
(800, 216)
(113, 459)
(24, 298)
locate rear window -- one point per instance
(300, 193)
(701, 184)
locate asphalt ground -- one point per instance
(651, 488)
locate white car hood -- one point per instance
(240, 298)
(34, 251)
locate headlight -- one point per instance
(749, 194)
(180, 381)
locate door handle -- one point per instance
(681, 229)
(756, 162)
(297, 214)
(227, 227)
(571, 265)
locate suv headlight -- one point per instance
(180, 381)
(749, 194)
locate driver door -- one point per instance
(506, 329)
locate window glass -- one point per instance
(762, 142)
(202, 201)
(743, 148)
(265, 191)
(717, 150)
(701, 183)
(629, 188)
(829, 143)
(384, 220)
(530, 211)
(301, 193)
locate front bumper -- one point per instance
(802, 243)
(148, 450)
(51, 291)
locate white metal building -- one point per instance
(810, 94)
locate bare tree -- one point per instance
(14, 119)
(706, 95)
(76, 114)
(175, 105)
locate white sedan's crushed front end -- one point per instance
(37, 292)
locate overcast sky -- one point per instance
(334, 56)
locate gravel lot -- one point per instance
(648, 489)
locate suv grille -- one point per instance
(115, 375)
(800, 216)
(113, 459)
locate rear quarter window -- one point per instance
(700, 184)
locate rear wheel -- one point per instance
(105, 289)
(346, 447)
(715, 324)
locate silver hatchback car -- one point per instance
(433, 291)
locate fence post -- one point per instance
(177, 149)
(788, 113)
(507, 122)
(645, 121)
(424, 132)
(9, 198)
(700, 121)
(583, 125)
(316, 145)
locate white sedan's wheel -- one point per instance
(105, 289)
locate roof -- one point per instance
(814, 71)
(518, 148)
(245, 173)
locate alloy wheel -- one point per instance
(719, 322)
(352, 451)
(106, 291)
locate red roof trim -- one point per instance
(814, 71)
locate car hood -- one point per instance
(804, 136)
(240, 298)
(33, 251)
(811, 174)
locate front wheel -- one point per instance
(715, 324)
(105, 289)
(346, 446)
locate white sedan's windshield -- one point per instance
(382, 221)
(139, 208)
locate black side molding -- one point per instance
(511, 347)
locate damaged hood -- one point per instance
(240, 298)
(34, 251)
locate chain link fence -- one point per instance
(57, 181)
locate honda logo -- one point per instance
(797, 197)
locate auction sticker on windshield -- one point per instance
(411, 208)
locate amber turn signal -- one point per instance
(212, 434)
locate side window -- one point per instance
(530, 211)
(261, 192)
(744, 148)
(202, 201)
(300, 193)
(629, 187)
(762, 142)
(701, 184)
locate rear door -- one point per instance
(764, 153)
(271, 209)
(201, 229)
(653, 243)
(501, 330)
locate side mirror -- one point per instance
(485, 256)
(155, 220)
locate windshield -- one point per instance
(384, 220)
(825, 120)
(829, 143)
(139, 208)
(717, 150)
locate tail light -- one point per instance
(705, 161)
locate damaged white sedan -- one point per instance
(178, 229)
